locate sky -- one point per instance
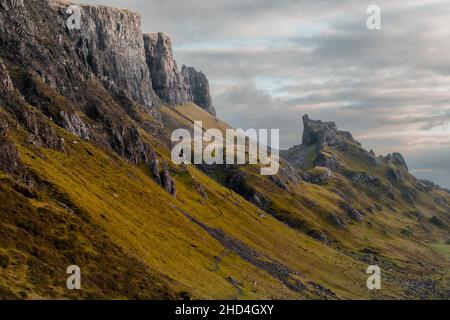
(269, 62)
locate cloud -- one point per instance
(269, 62)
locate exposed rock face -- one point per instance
(128, 142)
(111, 44)
(237, 181)
(352, 212)
(199, 86)
(108, 48)
(10, 4)
(318, 132)
(335, 220)
(3, 128)
(363, 177)
(323, 133)
(396, 174)
(317, 135)
(6, 85)
(74, 124)
(318, 175)
(162, 177)
(320, 236)
(9, 156)
(167, 181)
(170, 85)
(42, 134)
(397, 159)
(154, 169)
(55, 66)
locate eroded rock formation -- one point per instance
(173, 86)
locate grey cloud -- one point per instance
(271, 61)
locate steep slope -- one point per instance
(370, 209)
(86, 179)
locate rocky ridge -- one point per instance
(172, 85)
(83, 154)
(110, 47)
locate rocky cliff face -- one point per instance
(6, 86)
(78, 77)
(111, 44)
(109, 48)
(170, 85)
(173, 86)
(323, 133)
(82, 158)
(320, 137)
(199, 86)
(9, 4)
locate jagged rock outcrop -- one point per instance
(173, 86)
(74, 124)
(335, 220)
(110, 42)
(237, 181)
(398, 160)
(6, 85)
(352, 212)
(41, 133)
(362, 177)
(323, 133)
(127, 141)
(154, 169)
(199, 86)
(396, 175)
(9, 156)
(108, 48)
(320, 236)
(162, 177)
(317, 136)
(167, 181)
(168, 82)
(10, 4)
(61, 72)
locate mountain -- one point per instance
(86, 179)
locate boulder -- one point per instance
(167, 182)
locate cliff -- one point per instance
(86, 178)
(173, 86)
(199, 86)
(109, 47)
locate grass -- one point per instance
(94, 209)
(443, 248)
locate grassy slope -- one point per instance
(123, 202)
(127, 217)
(413, 253)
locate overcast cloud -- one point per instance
(269, 62)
